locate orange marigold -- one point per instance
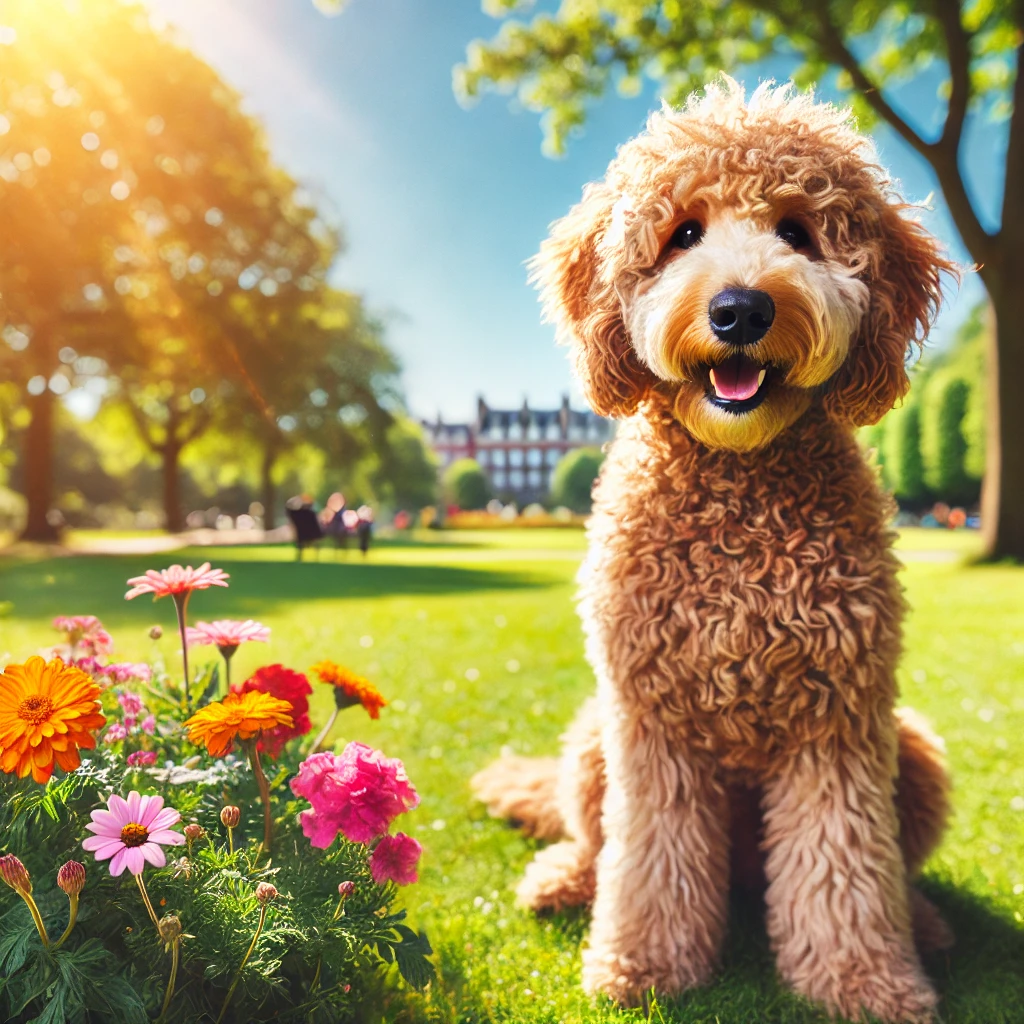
(350, 689)
(48, 710)
(238, 716)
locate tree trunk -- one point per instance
(269, 488)
(170, 454)
(1002, 497)
(38, 454)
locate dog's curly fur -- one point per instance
(739, 598)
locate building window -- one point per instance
(515, 457)
(553, 456)
(498, 457)
(534, 457)
(515, 478)
(534, 478)
(498, 478)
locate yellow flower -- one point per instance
(350, 689)
(48, 710)
(238, 716)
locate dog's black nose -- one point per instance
(741, 316)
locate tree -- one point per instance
(175, 236)
(465, 485)
(943, 444)
(561, 62)
(901, 452)
(574, 476)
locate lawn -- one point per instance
(474, 639)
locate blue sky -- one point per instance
(440, 205)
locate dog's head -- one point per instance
(744, 261)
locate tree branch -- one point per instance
(943, 154)
(143, 426)
(958, 55)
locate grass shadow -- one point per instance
(95, 584)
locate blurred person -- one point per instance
(364, 528)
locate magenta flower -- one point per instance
(141, 758)
(176, 580)
(131, 703)
(133, 831)
(117, 732)
(357, 793)
(126, 671)
(148, 725)
(84, 630)
(394, 859)
(227, 633)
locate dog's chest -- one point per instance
(751, 622)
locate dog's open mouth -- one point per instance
(738, 383)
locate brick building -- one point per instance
(518, 448)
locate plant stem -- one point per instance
(72, 915)
(241, 966)
(172, 979)
(227, 653)
(180, 604)
(37, 918)
(231, 841)
(322, 735)
(145, 899)
(261, 781)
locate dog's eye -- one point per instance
(793, 234)
(687, 235)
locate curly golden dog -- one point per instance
(742, 289)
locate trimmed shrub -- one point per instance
(903, 465)
(573, 478)
(466, 485)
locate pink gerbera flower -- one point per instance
(394, 859)
(227, 633)
(176, 580)
(133, 831)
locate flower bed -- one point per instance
(179, 849)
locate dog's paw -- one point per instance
(630, 981)
(894, 990)
(559, 876)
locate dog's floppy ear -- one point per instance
(903, 265)
(581, 301)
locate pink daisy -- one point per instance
(176, 580)
(133, 831)
(227, 633)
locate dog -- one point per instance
(743, 289)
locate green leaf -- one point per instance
(14, 949)
(53, 1013)
(411, 955)
(212, 687)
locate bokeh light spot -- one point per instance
(120, 190)
(90, 141)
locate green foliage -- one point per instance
(943, 445)
(901, 453)
(465, 485)
(561, 61)
(574, 476)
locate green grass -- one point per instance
(474, 639)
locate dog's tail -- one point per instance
(524, 791)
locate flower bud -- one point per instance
(183, 867)
(155, 632)
(15, 874)
(194, 831)
(230, 816)
(169, 928)
(345, 889)
(71, 877)
(265, 892)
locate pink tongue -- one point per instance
(736, 379)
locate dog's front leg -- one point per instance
(838, 914)
(662, 875)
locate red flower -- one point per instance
(284, 684)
